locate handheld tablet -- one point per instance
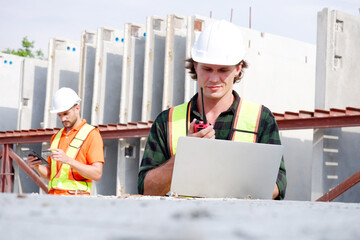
(34, 154)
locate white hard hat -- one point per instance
(63, 100)
(220, 43)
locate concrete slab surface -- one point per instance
(36, 216)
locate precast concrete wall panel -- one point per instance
(106, 98)
(133, 73)
(281, 75)
(153, 68)
(175, 50)
(336, 152)
(337, 68)
(33, 94)
(63, 71)
(86, 73)
(11, 72)
(281, 72)
(195, 25)
(107, 76)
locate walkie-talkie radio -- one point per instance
(199, 125)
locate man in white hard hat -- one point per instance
(77, 155)
(217, 63)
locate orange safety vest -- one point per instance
(62, 179)
(245, 124)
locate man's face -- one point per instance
(216, 80)
(69, 117)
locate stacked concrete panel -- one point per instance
(23, 81)
(11, 72)
(175, 50)
(63, 71)
(336, 153)
(153, 68)
(133, 73)
(33, 94)
(107, 76)
(86, 73)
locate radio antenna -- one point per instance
(202, 100)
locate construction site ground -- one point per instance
(35, 216)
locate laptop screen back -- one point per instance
(225, 169)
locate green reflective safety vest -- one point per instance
(61, 179)
(245, 124)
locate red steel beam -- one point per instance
(27, 136)
(109, 131)
(28, 171)
(335, 118)
(319, 122)
(341, 188)
(125, 133)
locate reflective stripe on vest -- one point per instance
(178, 124)
(246, 120)
(62, 182)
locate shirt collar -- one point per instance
(83, 121)
(194, 109)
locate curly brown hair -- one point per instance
(189, 64)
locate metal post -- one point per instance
(7, 170)
(3, 157)
(231, 14)
(250, 17)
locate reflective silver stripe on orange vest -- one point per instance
(62, 182)
(247, 119)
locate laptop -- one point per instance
(215, 168)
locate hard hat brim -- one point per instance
(62, 109)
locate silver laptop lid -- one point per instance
(225, 169)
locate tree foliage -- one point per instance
(26, 50)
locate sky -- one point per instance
(40, 20)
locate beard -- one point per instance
(69, 124)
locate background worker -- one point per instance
(217, 63)
(77, 155)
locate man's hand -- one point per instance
(208, 132)
(60, 156)
(276, 192)
(33, 162)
